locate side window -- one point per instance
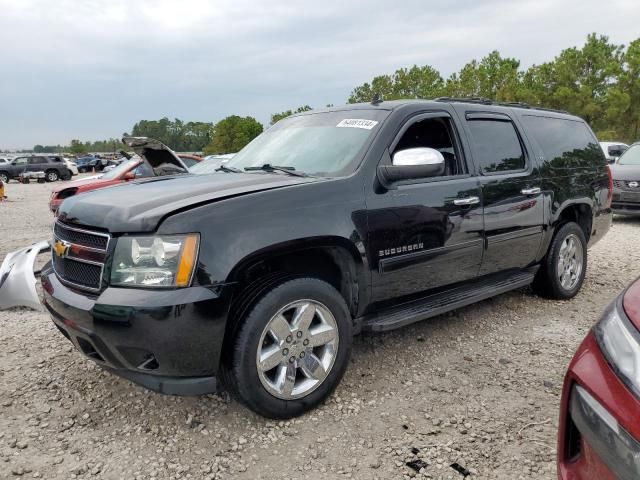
(21, 161)
(496, 145)
(436, 133)
(564, 143)
(143, 171)
(36, 160)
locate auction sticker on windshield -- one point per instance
(357, 123)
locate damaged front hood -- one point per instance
(140, 206)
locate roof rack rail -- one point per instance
(487, 101)
(480, 100)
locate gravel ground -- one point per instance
(479, 387)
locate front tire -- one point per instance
(563, 269)
(292, 348)
(4, 177)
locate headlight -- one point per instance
(620, 343)
(155, 261)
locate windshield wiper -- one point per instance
(223, 168)
(267, 167)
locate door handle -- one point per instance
(461, 202)
(530, 191)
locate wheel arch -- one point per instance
(578, 212)
(333, 259)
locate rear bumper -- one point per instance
(169, 341)
(599, 429)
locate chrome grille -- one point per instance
(624, 185)
(79, 256)
(81, 237)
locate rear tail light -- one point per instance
(610, 194)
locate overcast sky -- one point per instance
(90, 69)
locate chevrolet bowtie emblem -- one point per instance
(60, 248)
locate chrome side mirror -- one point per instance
(413, 163)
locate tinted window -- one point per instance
(37, 160)
(496, 145)
(564, 143)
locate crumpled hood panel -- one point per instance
(139, 206)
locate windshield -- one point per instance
(631, 156)
(323, 144)
(120, 169)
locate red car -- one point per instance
(599, 437)
(153, 159)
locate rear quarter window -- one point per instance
(564, 143)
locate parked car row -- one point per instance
(54, 167)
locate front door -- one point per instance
(511, 189)
(428, 233)
(21, 164)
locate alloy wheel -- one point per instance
(297, 349)
(570, 262)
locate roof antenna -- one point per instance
(377, 99)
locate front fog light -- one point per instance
(155, 261)
(620, 343)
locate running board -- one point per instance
(443, 302)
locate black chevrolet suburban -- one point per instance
(332, 222)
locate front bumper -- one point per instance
(599, 421)
(625, 202)
(17, 277)
(169, 341)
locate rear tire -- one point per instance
(563, 269)
(291, 350)
(52, 176)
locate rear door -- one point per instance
(511, 188)
(37, 164)
(426, 233)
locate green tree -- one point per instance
(414, 82)
(276, 117)
(624, 99)
(176, 134)
(77, 147)
(232, 133)
(582, 78)
(492, 77)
